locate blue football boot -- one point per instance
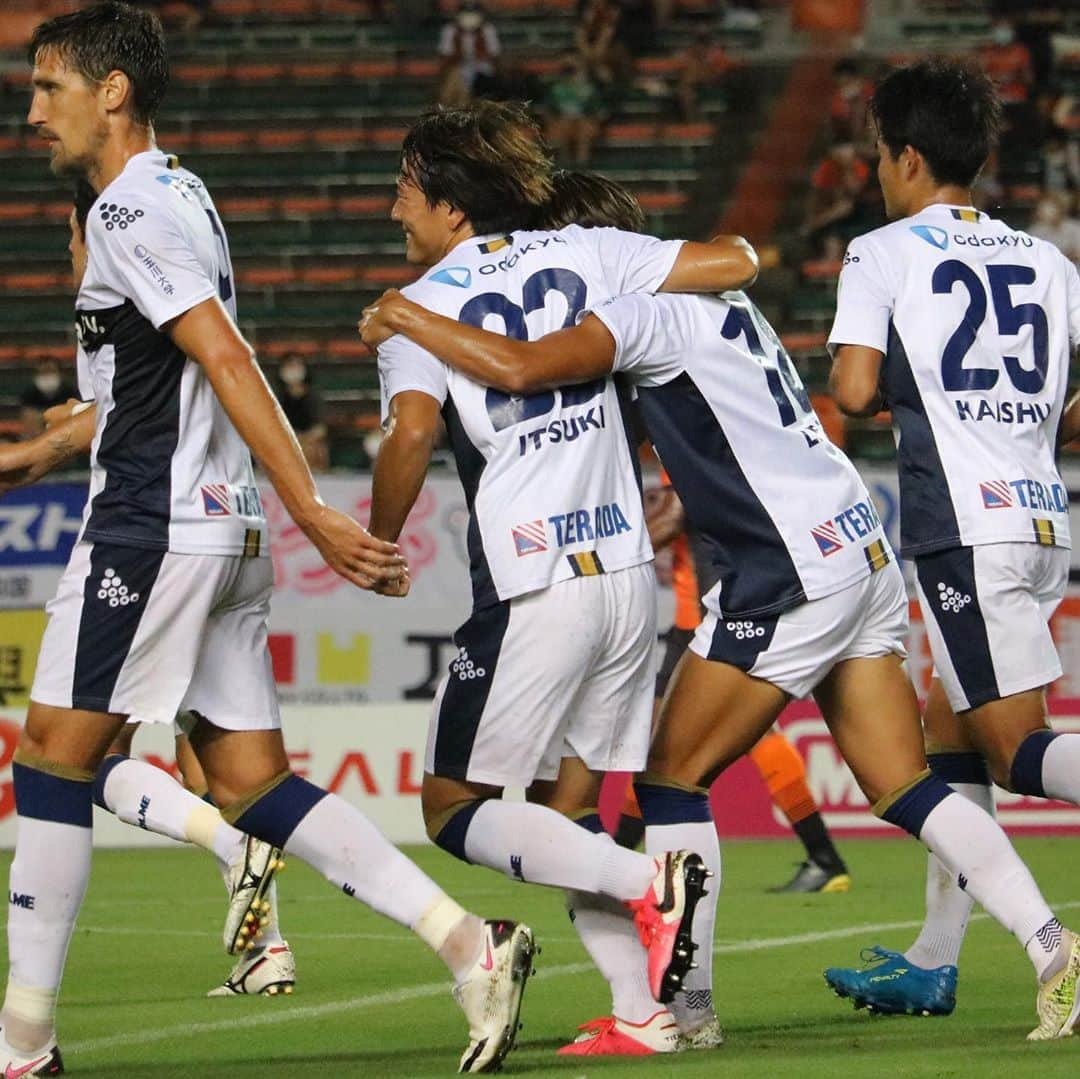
(890, 985)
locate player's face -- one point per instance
(428, 229)
(77, 250)
(67, 113)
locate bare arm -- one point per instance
(666, 520)
(402, 464)
(23, 463)
(1070, 422)
(854, 380)
(517, 367)
(208, 335)
(725, 262)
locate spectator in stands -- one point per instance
(836, 195)
(1054, 222)
(573, 109)
(597, 40)
(48, 388)
(469, 47)
(850, 104)
(303, 408)
(1008, 62)
(702, 64)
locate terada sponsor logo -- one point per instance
(845, 809)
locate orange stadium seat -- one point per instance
(234, 138)
(281, 138)
(339, 136)
(387, 136)
(328, 275)
(240, 205)
(419, 69)
(266, 275)
(659, 65)
(19, 211)
(320, 71)
(259, 72)
(364, 205)
(196, 73)
(372, 69)
(389, 276)
(347, 348)
(274, 350)
(306, 205)
(657, 201)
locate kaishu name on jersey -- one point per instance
(1002, 411)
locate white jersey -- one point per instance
(782, 512)
(168, 469)
(975, 321)
(550, 479)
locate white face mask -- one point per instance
(1003, 35)
(47, 384)
(293, 374)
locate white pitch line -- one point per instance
(434, 989)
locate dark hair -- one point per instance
(85, 197)
(947, 110)
(486, 159)
(592, 201)
(108, 37)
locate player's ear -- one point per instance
(116, 90)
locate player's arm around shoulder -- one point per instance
(721, 265)
(578, 354)
(206, 334)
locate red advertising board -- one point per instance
(743, 810)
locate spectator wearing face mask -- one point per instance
(48, 388)
(303, 408)
(469, 48)
(1054, 223)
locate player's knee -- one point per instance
(1024, 774)
(448, 827)
(908, 806)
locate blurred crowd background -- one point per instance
(745, 116)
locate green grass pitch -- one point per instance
(371, 1001)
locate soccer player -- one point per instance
(778, 762)
(147, 797)
(163, 606)
(809, 598)
(963, 327)
(554, 670)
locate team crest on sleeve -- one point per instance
(827, 538)
(529, 538)
(215, 498)
(458, 276)
(996, 495)
(934, 236)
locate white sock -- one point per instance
(148, 797)
(948, 906)
(46, 886)
(336, 839)
(1061, 768)
(973, 846)
(694, 1005)
(536, 844)
(606, 928)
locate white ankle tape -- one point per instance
(29, 1004)
(201, 824)
(438, 922)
